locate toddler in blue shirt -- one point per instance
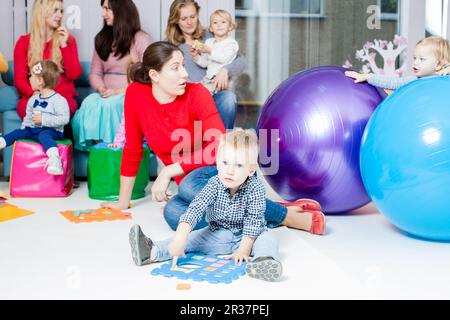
(47, 114)
(431, 58)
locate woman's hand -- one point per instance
(159, 188)
(221, 80)
(359, 77)
(239, 257)
(63, 36)
(193, 52)
(114, 205)
(106, 93)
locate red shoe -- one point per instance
(305, 204)
(318, 223)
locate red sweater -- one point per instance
(146, 117)
(65, 86)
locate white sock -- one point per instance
(2, 143)
(53, 152)
(153, 253)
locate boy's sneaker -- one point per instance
(2, 142)
(141, 246)
(264, 268)
(54, 166)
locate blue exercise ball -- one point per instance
(405, 158)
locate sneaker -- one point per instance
(141, 246)
(264, 268)
(2, 142)
(54, 166)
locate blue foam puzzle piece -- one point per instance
(201, 267)
(79, 212)
(105, 145)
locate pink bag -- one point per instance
(29, 177)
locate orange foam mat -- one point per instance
(98, 215)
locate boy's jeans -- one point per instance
(46, 136)
(220, 242)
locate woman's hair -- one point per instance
(120, 36)
(440, 46)
(173, 32)
(131, 69)
(224, 14)
(41, 10)
(155, 57)
(241, 140)
(48, 71)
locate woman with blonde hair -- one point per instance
(48, 39)
(183, 30)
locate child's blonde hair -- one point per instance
(241, 141)
(48, 71)
(441, 48)
(224, 14)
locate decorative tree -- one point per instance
(389, 51)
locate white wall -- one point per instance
(7, 27)
(412, 25)
(83, 18)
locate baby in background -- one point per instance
(46, 115)
(217, 51)
(431, 58)
(234, 202)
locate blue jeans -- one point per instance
(226, 104)
(46, 136)
(220, 242)
(193, 183)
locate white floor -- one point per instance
(43, 256)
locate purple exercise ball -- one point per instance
(321, 115)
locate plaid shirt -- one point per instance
(244, 211)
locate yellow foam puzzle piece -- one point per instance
(9, 212)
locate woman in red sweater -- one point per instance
(181, 124)
(48, 40)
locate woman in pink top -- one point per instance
(119, 44)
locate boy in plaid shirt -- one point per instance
(234, 202)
